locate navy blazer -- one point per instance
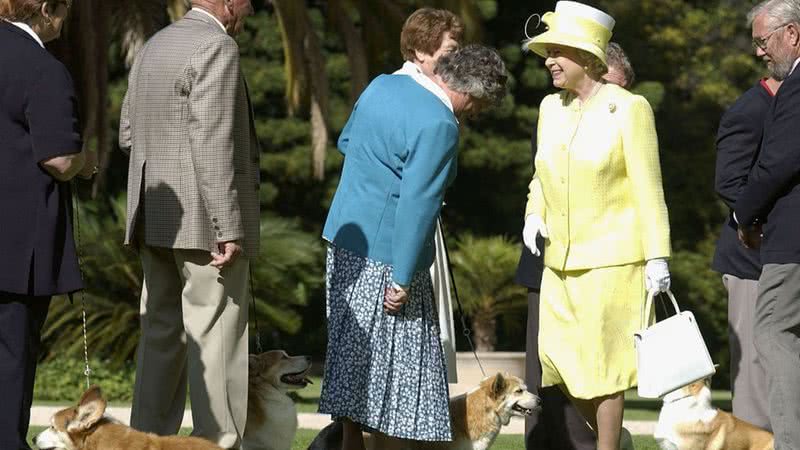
(37, 122)
(738, 142)
(772, 193)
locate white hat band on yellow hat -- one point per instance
(575, 25)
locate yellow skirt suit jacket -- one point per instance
(597, 186)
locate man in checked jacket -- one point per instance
(193, 216)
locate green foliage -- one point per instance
(63, 380)
(113, 277)
(484, 271)
(286, 273)
(692, 59)
(700, 290)
(285, 276)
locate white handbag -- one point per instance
(670, 353)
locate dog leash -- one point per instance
(466, 330)
(255, 313)
(79, 250)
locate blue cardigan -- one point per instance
(400, 146)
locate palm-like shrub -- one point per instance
(484, 273)
(113, 276)
(286, 273)
(288, 270)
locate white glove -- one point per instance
(656, 275)
(533, 225)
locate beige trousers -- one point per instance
(193, 329)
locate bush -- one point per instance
(286, 275)
(63, 380)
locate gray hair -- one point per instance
(475, 70)
(616, 57)
(778, 12)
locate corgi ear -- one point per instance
(91, 408)
(499, 385)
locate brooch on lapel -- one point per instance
(612, 107)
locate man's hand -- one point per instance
(750, 236)
(395, 297)
(228, 252)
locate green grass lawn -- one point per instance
(504, 442)
(636, 408)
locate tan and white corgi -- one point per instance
(271, 413)
(86, 427)
(476, 418)
(688, 421)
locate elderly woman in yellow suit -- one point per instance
(597, 198)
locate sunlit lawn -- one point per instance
(635, 409)
(504, 442)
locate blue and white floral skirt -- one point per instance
(384, 372)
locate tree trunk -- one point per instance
(177, 9)
(307, 79)
(291, 16)
(484, 326)
(354, 43)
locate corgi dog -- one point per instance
(271, 413)
(476, 418)
(86, 427)
(688, 421)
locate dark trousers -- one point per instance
(558, 425)
(21, 321)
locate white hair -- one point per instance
(779, 12)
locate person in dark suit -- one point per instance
(738, 141)
(41, 151)
(767, 212)
(558, 425)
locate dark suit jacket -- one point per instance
(738, 142)
(529, 269)
(37, 122)
(772, 194)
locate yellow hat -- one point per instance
(575, 25)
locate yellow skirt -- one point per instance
(586, 323)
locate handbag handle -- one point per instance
(649, 304)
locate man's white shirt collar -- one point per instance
(416, 74)
(27, 28)
(794, 66)
(212, 16)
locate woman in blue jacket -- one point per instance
(385, 369)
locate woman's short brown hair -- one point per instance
(20, 10)
(424, 31)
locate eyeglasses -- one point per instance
(761, 42)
